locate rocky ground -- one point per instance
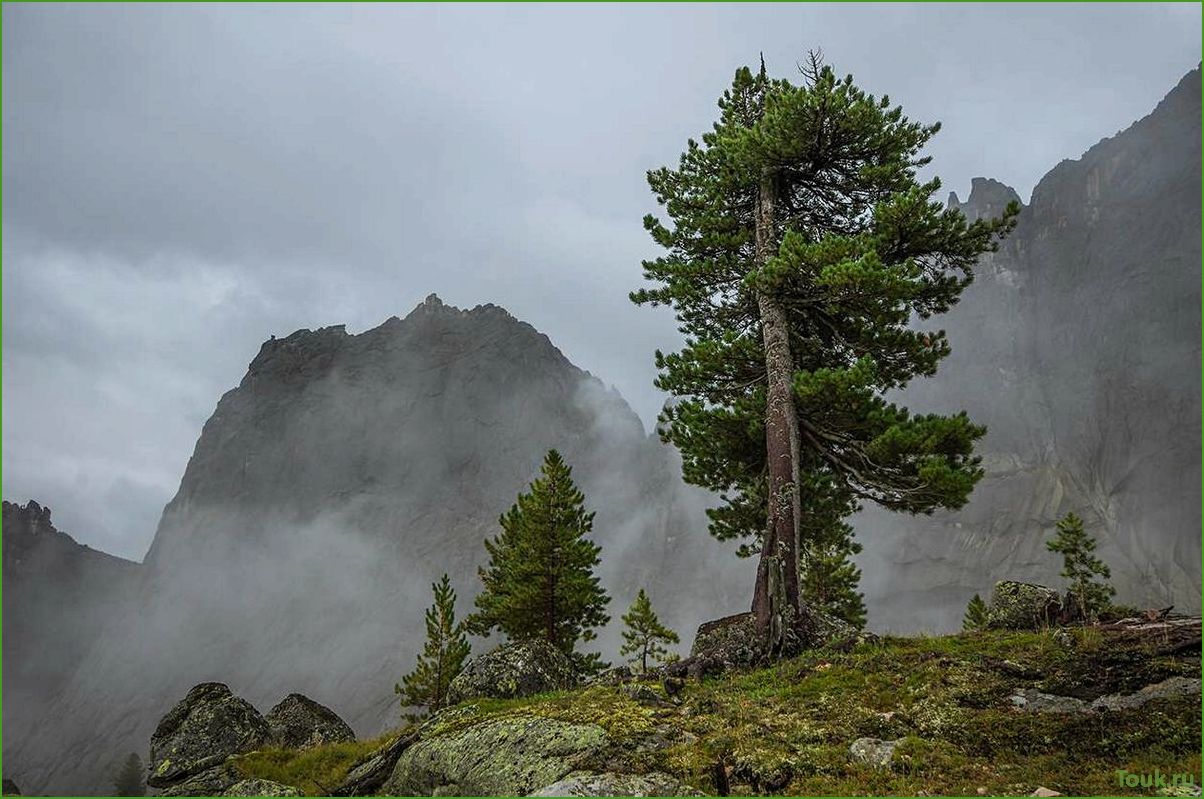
(1000, 712)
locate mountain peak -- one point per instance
(988, 198)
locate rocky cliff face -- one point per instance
(1079, 346)
(328, 490)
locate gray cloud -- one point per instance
(181, 182)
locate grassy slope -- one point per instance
(786, 729)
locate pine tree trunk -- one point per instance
(777, 586)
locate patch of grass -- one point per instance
(313, 771)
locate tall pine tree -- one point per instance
(442, 656)
(801, 251)
(644, 636)
(130, 779)
(540, 579)
(1090, 592)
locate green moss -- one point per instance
(313, 771)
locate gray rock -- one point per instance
(874, 751)
(369, 774)
(1033, 701)
(207, 726)
(642, 693)
(1167, 689)
(610, 784)
(519, 668)
(1023, 606)
(299, 722)
(256, 787)
(612, 676)
(506, 756)
(210, 782)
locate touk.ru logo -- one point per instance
(1157, 779)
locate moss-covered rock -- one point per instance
(509, 755)
(205, 728)
(255, 787)
(588, 783)
(732, 639)
(1023, 606)
(299, 722)
(210, 782)
(519, 668)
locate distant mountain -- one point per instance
(55, 593)
(328, 490)
(1078, 346)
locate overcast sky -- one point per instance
(182, 182)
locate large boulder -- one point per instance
(519, 668)
(588, 783)
(1023, 606)
(207, 726)
(732, 639)
(299, 722)
(505, 756)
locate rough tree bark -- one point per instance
(777, 585)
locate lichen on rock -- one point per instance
(257, 787)
(503, 756)
(298, 722)
(874, 751)
(588, 783)
(205, 728)
(515, 669)
(1023, 606)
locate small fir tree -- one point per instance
(540, 579)
(1089, 590)
(976, 617)
(129, 779)
(442, 657)
(645, 636)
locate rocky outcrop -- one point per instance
(299, 722)
(1023, 606)
(204, 729)
(518, 668)
(507, 756)
(1034, 701)
(611, 784)
(1078, 346)
(366, 777)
